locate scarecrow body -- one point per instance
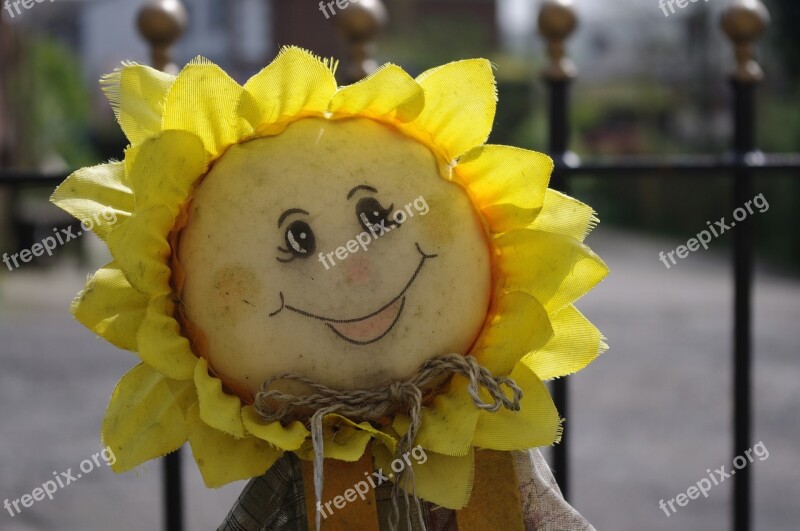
(321, 282)
(277, 501)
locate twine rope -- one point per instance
(381, 401)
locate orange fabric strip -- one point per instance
(342, 507)
(495, 502)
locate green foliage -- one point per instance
(779, 126)
(54, 104)
(786, 19)
(516, 110)
(435, 40)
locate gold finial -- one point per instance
(745, 22)
(161, 23)
(557, 21)
(361, 24)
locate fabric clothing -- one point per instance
(275, 501)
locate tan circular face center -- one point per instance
(334, 251)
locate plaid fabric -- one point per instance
(276, 502)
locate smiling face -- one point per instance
(333, 251)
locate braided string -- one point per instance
(378, 402)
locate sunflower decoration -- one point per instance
(333, 272)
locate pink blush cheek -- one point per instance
(357, 269)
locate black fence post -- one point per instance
(744, 23)
(556, 23)
(173, 492)
(161, 23)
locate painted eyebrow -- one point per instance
(289, 213)
(361, 187)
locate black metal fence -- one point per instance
(744, 23)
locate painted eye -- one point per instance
(300, 239)
(371, 213)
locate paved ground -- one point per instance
(649, 418)
(653, 414)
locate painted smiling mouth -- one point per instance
(369, 328)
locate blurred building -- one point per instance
(241, 36)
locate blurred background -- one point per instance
(645, 421)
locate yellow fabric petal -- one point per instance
(508, 184)
(565, 215)
(448, 423)
(204, 100)
(294, 85)
(520, 325)
(507, 217)
(130, 158)
(460, 104)
(388, 440)
(388, 93)
(142, 251)
(575, 343)
(164, 169)
(161, 344)
(98, 196)
(536, 424)
(110, 307)
(441, 479)
(555, 269)
(146, 417)
(223, 458)
(137, 95)
(342, 439)
(217, 408)
(289, 438)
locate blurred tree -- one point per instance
(786, 19)
(435, 40)
(51, 104)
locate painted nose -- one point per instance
(358, 270)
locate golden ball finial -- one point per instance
(161, 23)
(361, 23)
(744, 23)
(557, 21)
